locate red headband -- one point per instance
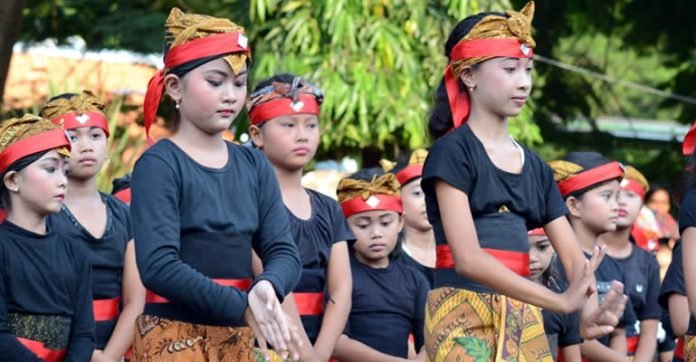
(283, 107)
(537, 232)
(606, 172)
(689, 140)
(409, 173)
(477, 48)
(43, 141)
(72, 120)
(218, 44)
(357, 205)
(633, 185)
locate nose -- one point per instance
(229, 93)
(301, 133)
(62, 178)
(375, 232)
(525, 80)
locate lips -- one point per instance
(519, 100)
(622, 213)
(88, 161)
(60, 196)
(226, 112)
(301, 151)
(377, 247)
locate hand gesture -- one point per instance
(269, 322)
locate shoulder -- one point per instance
(323, 201)
(118, 207)
(162, 155)
(410, 272)
(245, 153)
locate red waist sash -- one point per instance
(38, 348)
(516, 261)
(309, 303)
(105, 309)
(242, 284)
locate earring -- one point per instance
(471, 89)
(15, 190)
(177, 104)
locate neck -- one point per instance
(380, 263)
(188, 134)
(421, 239)
(81, 189)
(289, 180)
(487, 126)
(586, 237)
(616, 241)
(27, 219)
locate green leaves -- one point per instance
(476, 348)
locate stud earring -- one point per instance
(177, 104)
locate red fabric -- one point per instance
(689, 140)
(516, 261)
(679, 351)
(219, 44)
(3, 215)
(309, 303)
(106, 309)
(476, 48)
(124, 195)
(537, 232)
(357, 205)
(43, 141)
(73, 120)
(632, 345)
(283, 107)
(606, 172)
(642, 239)
(242, 284)
(409, 173)
(38, 348)
(633, 185)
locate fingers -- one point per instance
(597, 256)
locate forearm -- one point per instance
(597, 352)
(647, 343)
(617, 342)
(688, 255)
(679, 314)
(122, 337)
(570, 353)
(335, 317)
(350, 350)
(498, 277)
(290, 309)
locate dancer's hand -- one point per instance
(271, 321)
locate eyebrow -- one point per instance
(216, 71)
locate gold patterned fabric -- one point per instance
(633, 174)
(17, 129)
(349, 188)
(515, 25)
(181, 28)
(466, 326)
(164, 340)
(690, 348)
(80, 103)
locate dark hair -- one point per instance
(368, 174)
(587, 160)
(659, 186)
(440, 121)
(17, 166)
(286, 78)
(551, 277)
(121, 183)
(62, 96)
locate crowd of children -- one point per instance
(473, 250)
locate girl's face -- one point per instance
(41, 186)
(659, 202)
(630, 204)
(413, 199)
(88, 152)
(597, 208)
(289, 142)
(210, 96)
(540, 255)
(376, 233)
(502, 85)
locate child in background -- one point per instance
(388, 301)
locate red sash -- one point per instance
(309, 303)
(106, 309)
(516, 261)
(38, 348)
(632, 345)
(679, 351)
(242, 284)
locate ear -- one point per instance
(574, 206)
(468, 77)
(402, 219)
(256, 135)
(174, 86)
(10, 181)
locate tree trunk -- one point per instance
(10, 27)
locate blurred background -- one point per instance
(612, 76)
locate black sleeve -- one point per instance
(341, 229)
(555, 206)
(156, 226)
(273, 241)
(10, 348)
(674, 279)
(687, 212)
(571, 330)
(419, 319)
(651, 309)
(445, 163)
(82, 339)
